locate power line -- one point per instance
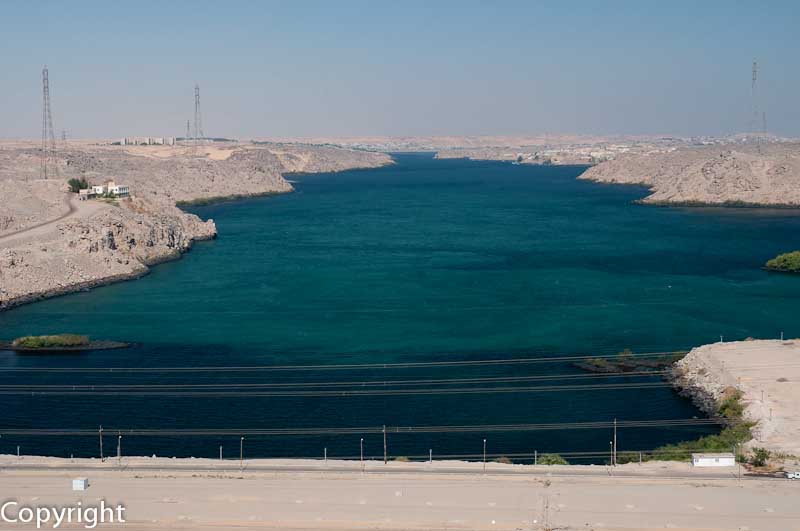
(360, 384)
(340, 393)
(339, 367)
(365, 430)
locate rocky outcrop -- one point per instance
(695, 382)
(99, 243)
(118, 243)
(732, 175)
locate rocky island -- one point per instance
(58, 343)
(785, 263)
(52, 243)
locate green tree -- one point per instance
(75, 185)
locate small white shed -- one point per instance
(708, 460)
(80, 484)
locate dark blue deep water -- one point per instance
(426, 260)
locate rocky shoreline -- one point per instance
(103, 242)
(687, 385)
(728, 175)
(763, 373)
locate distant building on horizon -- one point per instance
(147, 141)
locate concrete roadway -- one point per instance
(650, 470)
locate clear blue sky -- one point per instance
(399, 68)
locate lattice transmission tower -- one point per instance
(48, 135)
(754, 99)
(198, 117)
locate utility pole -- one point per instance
(101, 443)
(119, 450)
(220, 453)
(362, 454)
(535, 457)
(484, 455)
(326, 456)
(241, 454)
(611, 452)
(385, 455)
(615, 442)
(430, 456)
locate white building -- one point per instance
(110, 188)
(119, 190)
(713, 460)
(147, 141)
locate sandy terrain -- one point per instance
(768, 374)
(714, 175)
(51, 244)
(530, 499)
(42, 229)
(38, 201)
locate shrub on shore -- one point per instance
(759, 457)
(736, 433)
(60, 340)
(552, 459)
(788, 262)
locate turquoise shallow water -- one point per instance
(426, 260)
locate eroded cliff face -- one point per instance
(118, 242)
(712, 175)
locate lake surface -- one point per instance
(427, 260)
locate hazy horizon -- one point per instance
(358, 69)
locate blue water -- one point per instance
(426, 260)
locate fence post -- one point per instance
(241, 454)
(385, 455)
